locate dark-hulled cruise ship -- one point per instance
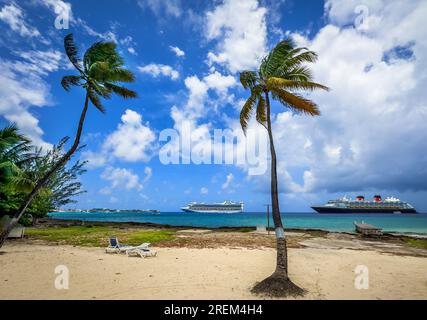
(225, 207)
(361, 205)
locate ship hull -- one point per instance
(211, 211)
(329, 210)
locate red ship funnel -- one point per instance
(378, 198)
(360, 198)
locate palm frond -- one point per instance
(22, 183)
(69, 81)
(103, 52)
(17, 152)
(11, 130)
(72, 52)
(261, 112)
(295, 102)
(11, 133)
(99, 71)
(301, 73)
(8, 169)
(294, 59)
(121, 91)
(100, 89)
(10, 137)
(27, 159)
(276, 58)
(246, 113)
(286, 84)
(283, 48)
(95, 99)
(248, 79)
(303, 57)
(120, 75)
(263, 67)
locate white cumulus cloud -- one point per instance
(132, 141)
(178, 52)
(171, 8)
(198, 93)
(156, 70)
(121, 178)
(228, 182)
(239, 27)
(14, 17)
(23, 86)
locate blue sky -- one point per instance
(187, 55)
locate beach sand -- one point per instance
(27, 272)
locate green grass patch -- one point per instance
(98, 236)
(139, 237)
(417, 243)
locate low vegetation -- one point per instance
(88, 236)
(21, 164)
(417, 243)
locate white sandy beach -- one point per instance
(27, 272)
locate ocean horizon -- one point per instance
(404, 224)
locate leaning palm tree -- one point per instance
(100, 73)
(282, 74)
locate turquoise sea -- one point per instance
(410, 224)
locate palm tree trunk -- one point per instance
(30, 197)
(278, 284)
(282, 253)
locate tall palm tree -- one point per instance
(100, 74)
(282, 73)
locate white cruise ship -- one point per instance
(225, 207)
(361, 205)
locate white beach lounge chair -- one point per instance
(141, 252)
(116, 247)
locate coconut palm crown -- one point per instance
(100, 72)
(282, 73)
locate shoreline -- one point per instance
(405, 225)
(52, 222)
